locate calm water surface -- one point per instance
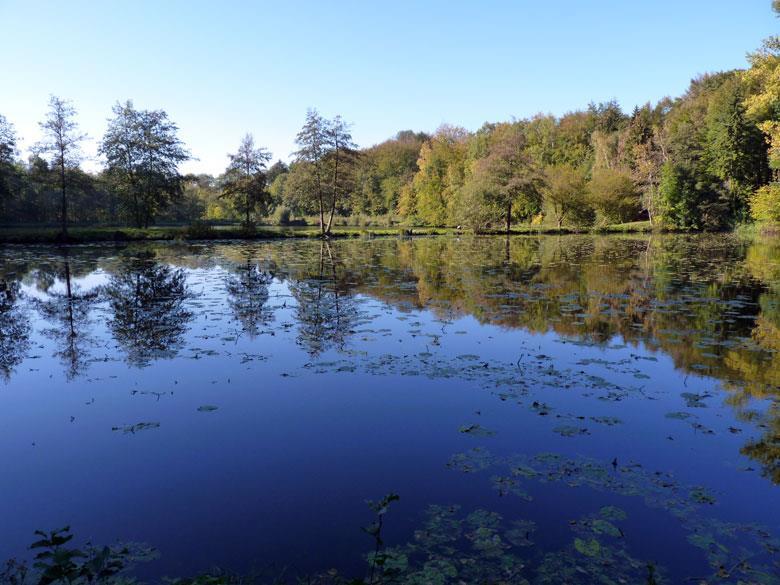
(555, 409)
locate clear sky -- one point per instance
(224, 68)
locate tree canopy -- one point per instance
(708, 159)
(246, 180)
(143, 153)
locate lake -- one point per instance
(581, 409)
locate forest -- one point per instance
(706, 160)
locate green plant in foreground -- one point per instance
(378, 558)
(56, 562)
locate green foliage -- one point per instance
(245, 180)
(474, 208)
(56, 561)
(143, 153)
(61, 145)
(589, 548)
(502, 180)
(613, 195)
(379, 559)
(199, 230)
(8, 171)
(735, 149)
(762, 96)
(565, 197)
(513, 179)
(384, 170)
(199, 200)
(7, 141)
(678, 201)
(765, 203)
(282, 215)
(440, 175)
(326, 157)
(693, 162)
(566, 140)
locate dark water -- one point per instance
(556, 409)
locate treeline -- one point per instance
(708, 159)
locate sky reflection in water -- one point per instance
(236, 404)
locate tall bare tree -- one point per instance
(61, 144)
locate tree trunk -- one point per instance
(319, 200)
(508, 218)
(64, 202)
(335, 192)
(332, 211)
(69, 293)
(322, 216)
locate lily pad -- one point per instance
(589, 548)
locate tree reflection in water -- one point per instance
(248, 295)
(147, 302)
(711, 303)
(14, 328)
(69, 313)
(325, 310)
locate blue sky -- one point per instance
(221, 69)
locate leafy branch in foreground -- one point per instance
(380, 508)
(55, 562)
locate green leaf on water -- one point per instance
(693, 400)
(570, 431)
(706, 542)
(476, 430)
(701, 496)
(138, 427)
(605, 527)
(509, 485)
(678, 415)
(613, 513)
(589, 548)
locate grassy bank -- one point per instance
(77, 235)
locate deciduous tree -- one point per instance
(565, 196)
(143, 154)
(327, 149)
(245, 180)
(614, 195)
(440, 174)
(61, 146)
(735, 149)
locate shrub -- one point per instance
(282, 215)
(199, 230)
(565, 197)
(765, 203)
(614, 195)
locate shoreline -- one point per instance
(82, 235)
